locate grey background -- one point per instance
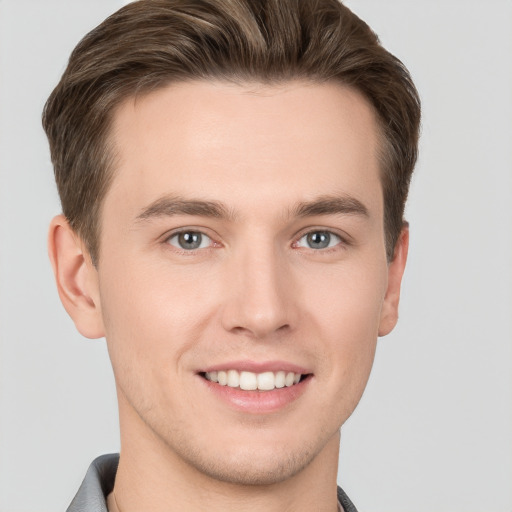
(433, 432)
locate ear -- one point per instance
(389, 312)
(76, 277)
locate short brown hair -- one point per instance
(150, 43)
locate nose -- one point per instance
(260, 293)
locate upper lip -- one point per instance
(257, 367)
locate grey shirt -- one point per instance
(99, 482)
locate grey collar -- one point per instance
(97, 485)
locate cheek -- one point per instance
(347, 314)
(151, 317)
(349, 298)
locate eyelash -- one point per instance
(189, 252)
(323, 250)
(343, 242)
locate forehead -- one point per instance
(237, 142)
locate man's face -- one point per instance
(242, 239)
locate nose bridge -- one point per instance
(261, 291)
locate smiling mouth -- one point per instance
(249, 381)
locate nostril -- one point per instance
(260, 331)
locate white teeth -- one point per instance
(233, 379)
(279, 380)
(266, 381)
(223, 378)
(249, 381)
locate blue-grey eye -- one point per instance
(319, 240)
(190, 240)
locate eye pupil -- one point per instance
(190, 240)
(319, 239)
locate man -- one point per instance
(233, 175)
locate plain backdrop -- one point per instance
(433, 432)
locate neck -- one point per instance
(152, 477)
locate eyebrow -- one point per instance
(330, 205)
(169, 206)
(172, 205)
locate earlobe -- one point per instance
(76, 278)
(389, 313)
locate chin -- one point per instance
(259, 470)
(250, 461)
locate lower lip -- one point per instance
(258, 402)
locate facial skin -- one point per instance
(273, 164)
